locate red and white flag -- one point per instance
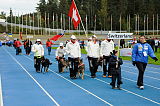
(56, 37)
(74, 14)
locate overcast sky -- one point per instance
(25, 6)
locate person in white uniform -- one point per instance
(94, 54)
(106, 48)
(38, 50)
(74, 54)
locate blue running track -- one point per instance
(22, 86)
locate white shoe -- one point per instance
(141, 87)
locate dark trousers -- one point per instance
(73, 66)
(28, 50)
(156, 47)
(17, 50)
(105, 63)
(37, 63)
(49, 50)
(141, 68)
(114, 78)
(93, 66)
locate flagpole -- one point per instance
(120, 23)
(38, 21)
(157, 24)
(57, 22)
(147, 24)
(64, 22)
(26, 23)
(6, 24)
(53, 22)
(144, 24)
(69, 25)
(48, 24)
(45, 24)
(129, 23)
(86, 25)
(111, 22)
(30, 21)
(11, 22)
(61, 23)
(153, 25)
(95, 24)
(138, 24)
(15, 23)
(81, 21)
(33, 25)
(22, 22)
(19, 24)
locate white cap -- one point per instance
(73, 37)
(94, 36)
(38, 39)
(60, 44)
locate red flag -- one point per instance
(56, 37)
(74, 14)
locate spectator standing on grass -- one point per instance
(49, 45)
(38, 50)
(140, 54)
(156, 44)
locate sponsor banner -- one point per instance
(126, 52)
(120, 35)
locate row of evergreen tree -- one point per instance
(100, 14)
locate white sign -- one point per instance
(120, 35)
(29, 36)
(126, 52)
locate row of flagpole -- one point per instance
(63, 23)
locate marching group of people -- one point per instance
(96, 54)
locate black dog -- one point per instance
(45, 64)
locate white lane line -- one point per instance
(77, 85)
(147, 66)
(144, 76)
(146, 70)
(122, 77)
(109, 84)
(1, 95)
(127, 91)
(136, 82)
(33, 79)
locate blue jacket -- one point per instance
(141, 51)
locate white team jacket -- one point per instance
(38, 50)
(73, 50)
(93, 50)
(107, 47)
(61, 52)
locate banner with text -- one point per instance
(120, 35)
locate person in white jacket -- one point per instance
(94, 54)
(74, 54)
(38, 50)
(107, 47)
(60, 53)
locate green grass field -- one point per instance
(151, 61)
